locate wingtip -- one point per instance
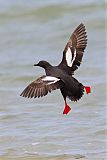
(82, 24)
(21, 95)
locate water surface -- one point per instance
(36, 129)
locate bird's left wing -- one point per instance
(74, 49)
(42, 86)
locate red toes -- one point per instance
(88, 89)
(66, 109)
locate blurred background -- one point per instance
(36, 128)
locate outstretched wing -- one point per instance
(42, 86)
(73, 52)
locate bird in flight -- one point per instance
(61, 76)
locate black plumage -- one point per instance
(61, 76)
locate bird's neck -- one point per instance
(47, 66)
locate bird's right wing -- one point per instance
(42, 86)
(74, 50)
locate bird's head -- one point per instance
(43, 64)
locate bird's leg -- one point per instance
(67, 108)
(87, 89)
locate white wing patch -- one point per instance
(69, 59)
(50, 79)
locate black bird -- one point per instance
(61, 76)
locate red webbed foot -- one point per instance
(66, 109)
(87, 89)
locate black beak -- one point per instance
(35, 64)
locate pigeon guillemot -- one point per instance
(61, 76)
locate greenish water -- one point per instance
(36, 128)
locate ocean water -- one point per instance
(36, 128)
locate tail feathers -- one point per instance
(78, 94)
